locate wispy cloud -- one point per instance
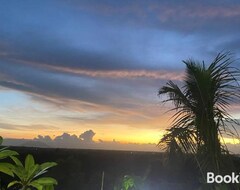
(125, 74)
(166, 13)
(17, 127)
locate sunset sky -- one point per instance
(69, 66)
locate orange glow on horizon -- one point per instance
(135, 136)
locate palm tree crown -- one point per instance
(201, 116)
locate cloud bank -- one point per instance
(83, 141)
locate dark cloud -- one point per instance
(46, 138)
(70, 40)
(48, 84)
(182, 16)
(41, 42)
(67, 140)
(48, 52)
(59, 88)
(233, 45)
(87, 136)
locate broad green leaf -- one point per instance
(40, 173)
(7, 153)
(20, 172)
(47, 165)
(29, 162)
(32, 171)
(6, 168)
(13, 183)
(44, 167)
(46, 181)
(17, 161)
(36, 185)
(48, 187)
(4, 148)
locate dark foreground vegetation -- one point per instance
(82, 169)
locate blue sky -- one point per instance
(81, 65)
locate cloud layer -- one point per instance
(84, 141)
(87, 65)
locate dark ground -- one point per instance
(82, 169)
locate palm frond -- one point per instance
(201, 108)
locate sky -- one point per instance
(72, 66)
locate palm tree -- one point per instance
(201, 117)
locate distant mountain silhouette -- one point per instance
(34, 143)
(25, 142)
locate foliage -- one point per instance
(5, 153)
(130, 183)
(201, 118)
(28, 175)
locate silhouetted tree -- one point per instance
(201, 117)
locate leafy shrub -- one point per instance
(28, 174)
(129, 182)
